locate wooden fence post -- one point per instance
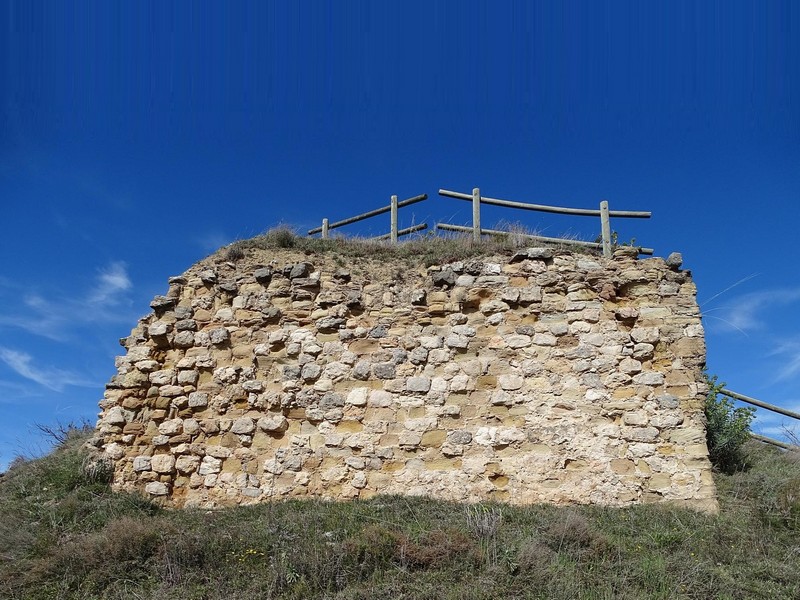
(324, 229)
(394, 220)
(476, 214)
(605, 226)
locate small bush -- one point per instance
(235, 252)
(534, 557)
(576, 533)
(727, 429)
(281, 237)
(437, 548)
(375, 544)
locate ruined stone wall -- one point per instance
(537, 377)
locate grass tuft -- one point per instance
(429, 249)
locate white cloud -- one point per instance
(789, 355)
(750, 312)
(53, 379)
(112, 281)
(53, 317)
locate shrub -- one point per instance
(281, 237)
(235, 251)
(727, 429)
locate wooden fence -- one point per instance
(394, 233)
(604, 213)
(766, 406)
(393, 208)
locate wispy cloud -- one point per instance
(53, 379)
(112, 281)
(789, 355)
(54, 318)
(750, 312)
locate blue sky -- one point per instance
(136, 138)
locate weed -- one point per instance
(235, 251)
(426, 250)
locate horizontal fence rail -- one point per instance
(535, 238)
(768, 440)
(586, 212)
(400, 232)
(760, 404)
(604, 213)
(765, 406)
(373, 213)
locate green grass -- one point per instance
(63, 534)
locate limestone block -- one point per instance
(384, 370)
(433, 438)
(431, 342)
(156, 488)
(409, 439)
(171, 427)
(243, 426)
(159, 329)
(639, 434)
(630, 366)
(635, 418)
(186, 465)
(198, 400)
(171, 391)
(358, 396)
(146, 366)
(209, 465)
(114, 416)
(518, 341)
(141, 463)
(219, 335)
(643, 351)
(645, 335)
(273, 423)
(649, 378)
(183, 339)
(418, 384)
(162, 377)
(188, 377)
(162, 463)
(544, 339)
(510, 382)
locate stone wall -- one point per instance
(538, 377)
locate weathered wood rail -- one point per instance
(765, 406)
(760, 404)
(604, 213)
(393, 208)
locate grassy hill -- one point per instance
(63, 534)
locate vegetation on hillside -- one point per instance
(727, 429)
(63, 534)
(427, 249)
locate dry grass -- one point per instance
(428, 249)
(64, 535)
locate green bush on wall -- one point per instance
(727, 429)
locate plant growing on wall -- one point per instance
(727, 429)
